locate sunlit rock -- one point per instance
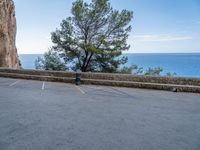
(8, 51)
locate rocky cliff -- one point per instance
(8, 51)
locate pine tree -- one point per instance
(94, 37)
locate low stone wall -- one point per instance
(39, 72)
(149, 79)
(148, 82)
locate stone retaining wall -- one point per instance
(160, 83)
(39, 72)
(151, 79)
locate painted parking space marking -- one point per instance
(109, 90)
(95, 88)
(14, 83)
(120, 91)
(80, 90)
(103, 89)
(43, 85)
(6, 82)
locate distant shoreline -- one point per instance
(130, 53)
(183, 64)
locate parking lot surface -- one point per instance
(36, 115)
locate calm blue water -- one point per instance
(28, 60)
(182, 64)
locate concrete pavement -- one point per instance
(37, 115)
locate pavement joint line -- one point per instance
(113, 90)
(96, 88)
(14, 83)
(79, 89)
(43, 85)
(120, 91)
(100, 88)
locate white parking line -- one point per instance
(104, 89)
(43, 85)
(12, 84)
(96, 88)
(119, 91)
(80, 89)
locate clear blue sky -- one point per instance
(159, 26)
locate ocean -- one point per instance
(183, 64)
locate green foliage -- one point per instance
(157, 72)
(169, 74)
(153, 71)
(134, 69)
(94, 37)
(51, 61)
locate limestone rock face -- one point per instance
(8, 51)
